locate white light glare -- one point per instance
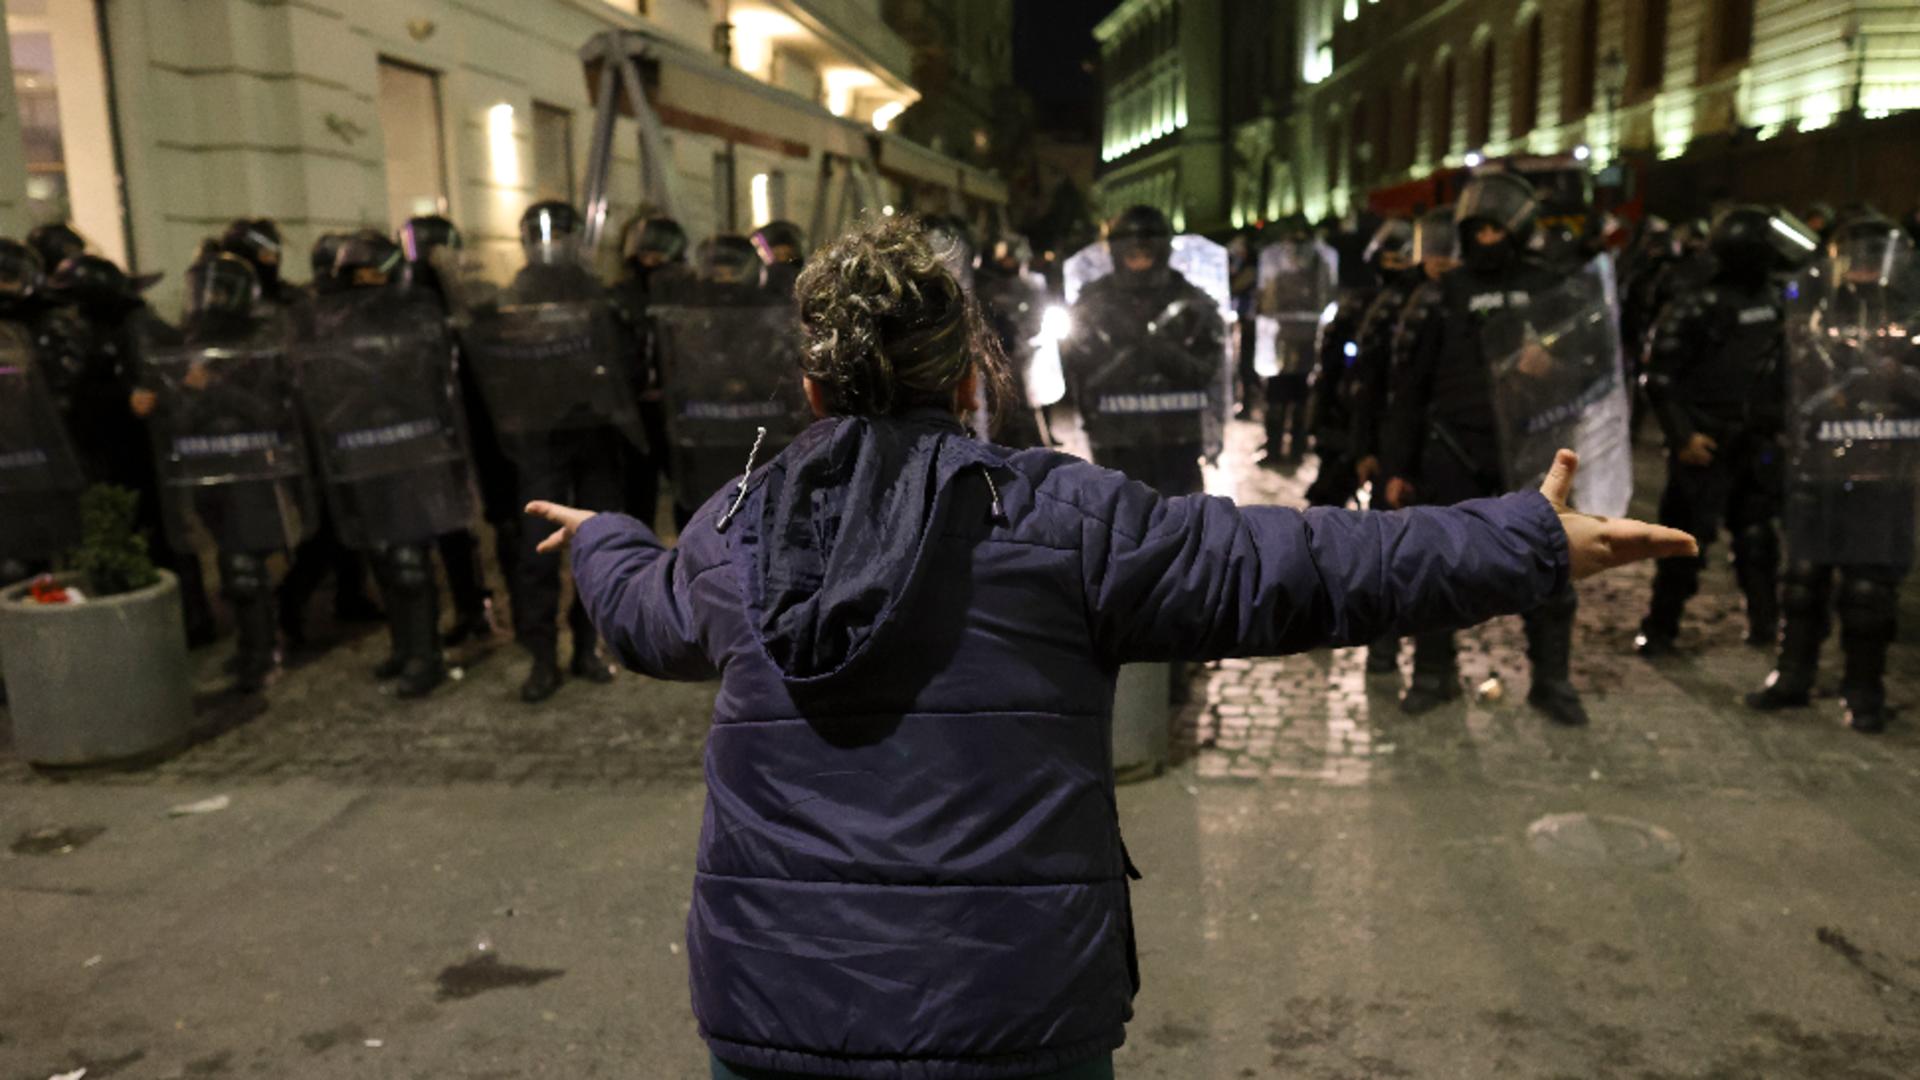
(1582, 152)
(885, 115)
(1046, 380)
(761, 187)
(1475, 159)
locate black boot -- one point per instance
(1674, 582)
(1756, 566)
(1436, 674)
(1550, 648)
(472, 604)
(1869, 615)
(1805, 598)
(1383, 656)
(543, 680)
(414, 609)
(587, 663)
(243, 577)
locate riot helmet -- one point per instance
(1387, 252)
(1692, 236)
(256, 240)
(94, 283)
(1820, 217)
(1295, 229)
(780, 243)
(1868, 250)
(325, 250)
(1012, 253)
(1500, 199)
(55, 243)
(21, 272)
(729, 259)
(1140, 241)
(550, 232)
(421, 236)
(221, 285)
(367, 260)
(1753, 241)
(1435, 245)
(656, 241)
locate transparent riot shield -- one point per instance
(228, 442)
(1853, 419)
(1557, 382)
(381, 404)
(728, 371)
(556, 365)
(40, 477)
(1297, 285)
(1150, 413)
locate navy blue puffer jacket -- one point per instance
(910, 864)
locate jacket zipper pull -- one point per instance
(760, 436)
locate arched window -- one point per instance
(1648, 68)
(1583, 67)
(1525, 107)
(1332, 134)
(1480, 103)
(1730, 39)
(1357, 169)
(1449, 85)
(1409, 136)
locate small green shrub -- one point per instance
(112, 557)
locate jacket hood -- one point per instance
(838, 534)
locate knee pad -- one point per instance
(1804, 591)
(409, 568)
(1757, 542)
(243, 575)
(1869, 609)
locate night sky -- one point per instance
(1052, 39)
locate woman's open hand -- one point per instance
(1596, 543)
(568, 518)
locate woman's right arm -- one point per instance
(637, 592)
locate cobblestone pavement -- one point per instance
(1315, 717)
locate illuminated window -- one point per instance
(410, 128)
(1443, 109)
(552, 152)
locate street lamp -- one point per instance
(1613, 82)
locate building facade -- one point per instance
(152, 123)
(1387, 91)
(1163, 139)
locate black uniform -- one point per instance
(1716, 367)
(1014, 307)
(1442, 431)
(1850, 507)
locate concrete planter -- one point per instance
(1142, 721)
(98, 682)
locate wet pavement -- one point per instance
(469, 887)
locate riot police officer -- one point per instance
(1442, 442)
(656, 253)
(231, 451)
(40, 474)
(1715, 374)
(428, 244)
(378, 391)
(56, 242)
(320, 260)
(257, 240)
(1854, 413)
(726, 346)
(1337, 380)
(1014, 301)
(1145, 360)
(554, 363)
(1298, 277)
(783, 249)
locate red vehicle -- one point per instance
(1569, 189)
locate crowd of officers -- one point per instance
(1368, 345)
